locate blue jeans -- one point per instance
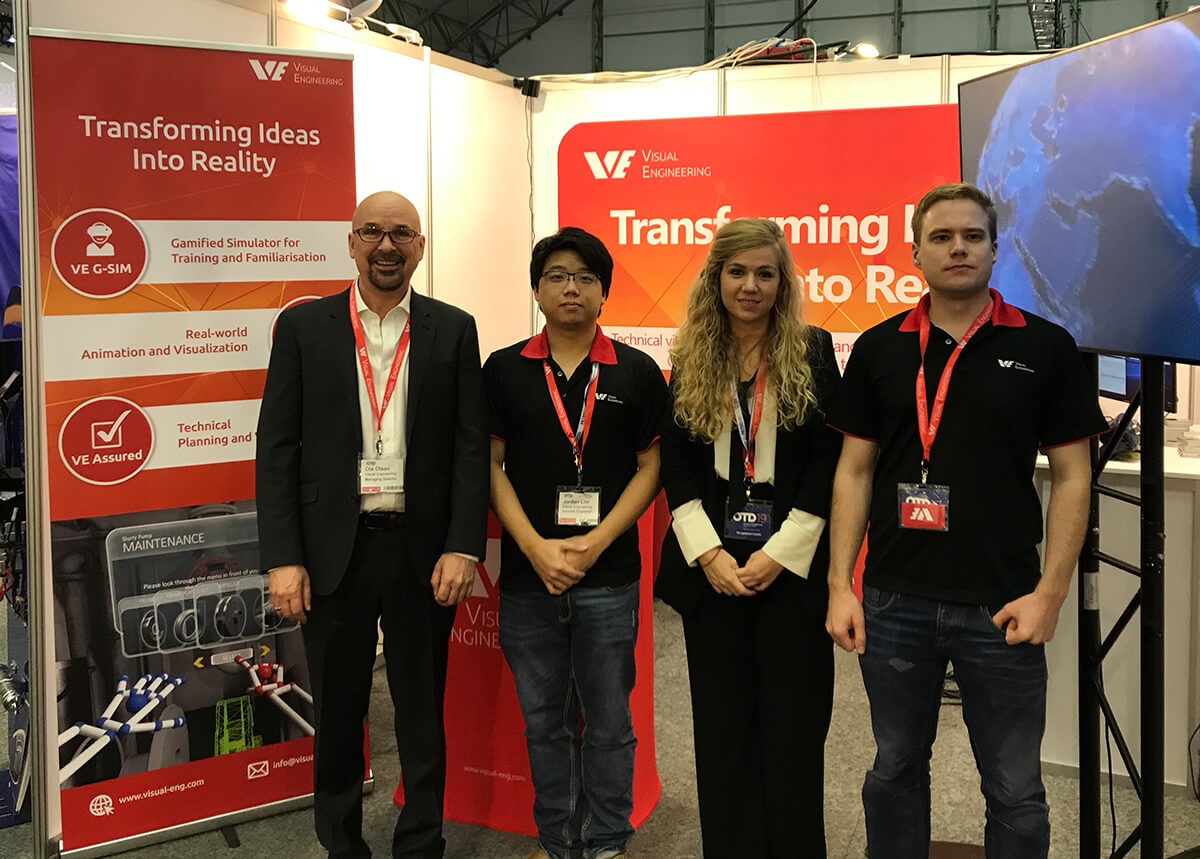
(1003, 686)
(572, 656)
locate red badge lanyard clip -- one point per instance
(928, 424)
(578, 437)
(364, 362)
(756, 408)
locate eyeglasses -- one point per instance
(373, 234)
(559, 278)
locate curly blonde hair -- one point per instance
(704, 356)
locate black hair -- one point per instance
(590, 249)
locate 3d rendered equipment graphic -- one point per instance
(170, 610)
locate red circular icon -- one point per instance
(106, 440)
(99, 253)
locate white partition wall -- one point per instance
(480, 169)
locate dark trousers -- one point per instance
(761, 672)
(574, 653)
(340, 637)
(1003, 686)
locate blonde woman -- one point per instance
(747, 463)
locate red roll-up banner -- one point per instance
(185, 196)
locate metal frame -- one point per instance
(1148, 603)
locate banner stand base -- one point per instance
(197, 826)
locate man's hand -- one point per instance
(1031, 618)
(722, 572)
(290, 592)
(844, 621)
(581, 552)
(554, 562)
(453, 579)
(760, 570)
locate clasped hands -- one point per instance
(562, 563)
(726, 577)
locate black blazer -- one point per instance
(310, 436)
(805, 459)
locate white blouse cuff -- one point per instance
(694, 531)
(795, 543)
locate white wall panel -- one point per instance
(391, 117)
(829, 86)
(478, 253)
(199, 20)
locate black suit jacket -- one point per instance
(310, 436)
(805, 459)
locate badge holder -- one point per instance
(381, 474)
(577, 506)
(924, 506)
(752, 522)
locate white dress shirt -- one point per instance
(383, 336)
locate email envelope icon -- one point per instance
(258, 769)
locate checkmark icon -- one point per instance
(105, 434)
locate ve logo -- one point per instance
(271, 70)
(614, 166)
(920, 514)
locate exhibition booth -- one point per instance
(196, 164)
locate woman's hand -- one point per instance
(760, 570)
(722, 572)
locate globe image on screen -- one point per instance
(1093, 161)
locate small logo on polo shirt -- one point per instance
(1014, 365)
(609, 398)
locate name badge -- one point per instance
(380, 475)
(924, 506)
(751, 523)
(577, 505)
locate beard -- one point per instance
(387, 282)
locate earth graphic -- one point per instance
(1093, 160)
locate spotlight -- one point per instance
(865, 49)
(362, 10)
(407, 34)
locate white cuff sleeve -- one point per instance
(795, 543)
(694, 531)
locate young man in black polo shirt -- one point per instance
(944, 409)
(575, 420)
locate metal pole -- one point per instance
(898, 26)
(1089, 645)
(1076, 11)
(597, 35)
(1152, 609)
(710, 30)
(994, 25)
(37, 516)
(799, 30)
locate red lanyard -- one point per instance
(364, 361)
(578, 437)
(927, 424)
(756, 409)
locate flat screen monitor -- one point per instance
(1092, 157)
(1120, 379)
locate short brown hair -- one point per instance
(953, 191)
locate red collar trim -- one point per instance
(1003, 313)
(602, 351)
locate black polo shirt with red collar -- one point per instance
(1018, 386)
(630, 397)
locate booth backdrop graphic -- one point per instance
(185, 195)
(841, 183)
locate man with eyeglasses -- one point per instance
(574, 422)
(372, 505)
